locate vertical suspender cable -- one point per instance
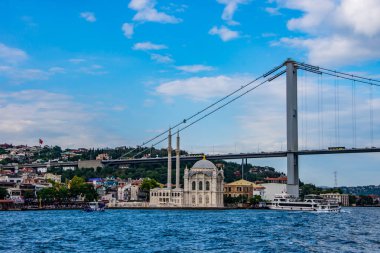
(301, 109)
(319, 110)
(322, 118)
(352, 113)
(371, 112)
(335, 112)
(306, 112)
(338, 104)
(355, 113)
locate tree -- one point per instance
(47, 195)
(148, 184)
(352, 199)
(89, 192)
(3, 193)
(254, 200)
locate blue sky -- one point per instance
(99, 74)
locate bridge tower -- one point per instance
(292, 128)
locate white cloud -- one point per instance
(273, 11)
(229, 10)
(76, 60)
(57, 70)
(31, 114)
(20, 75)
(224, 33)
(146, 12)
(194, 68)
(93, 69)
(128, 30)
(119, 108)
(148, 46)
(12, 55)
(337, 32)
(88, 16)
(161, 58)
(200, 88)
(336, 50)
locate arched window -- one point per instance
(193, 186)
(200, 200)
(207, 199)
(200, 186)
(207, 185)
(193, 199)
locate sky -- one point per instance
(100, 74)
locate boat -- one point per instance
(94, 207)
(311, 202)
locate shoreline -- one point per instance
(158, 208)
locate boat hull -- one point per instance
(308, 209)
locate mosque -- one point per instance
(203, 185)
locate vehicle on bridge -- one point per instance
(336, 148)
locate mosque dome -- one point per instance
(204, 164)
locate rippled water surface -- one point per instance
(353, 230)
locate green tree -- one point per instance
(89, 192)
(47, 195)
(351, 199)
(3, 193)
(254, 200)
(148, 184)
(29, 196)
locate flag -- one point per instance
(40, 141)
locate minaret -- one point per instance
(177, 165)
(169, 182)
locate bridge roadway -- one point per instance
(198, 157)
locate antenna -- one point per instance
(335, 179)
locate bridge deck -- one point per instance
(209, 157)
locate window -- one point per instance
(200, 186)
(207, 199)
(193, 198)
(200, 200)
(207, 185)
(193, 186)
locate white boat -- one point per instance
(312, 203)
(94, 207)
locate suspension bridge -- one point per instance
(331, 127)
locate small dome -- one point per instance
(204, 164)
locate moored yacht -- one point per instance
(94, 207)
(314, 203)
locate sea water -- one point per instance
(352, 230)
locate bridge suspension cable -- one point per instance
(184, 121)
(355, 79)
(334, 73)
(218, 108)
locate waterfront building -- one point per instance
(343, 199)
(273, 186)
(203, 185)
(276, 180)
(243, 188)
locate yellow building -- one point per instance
(241, 188)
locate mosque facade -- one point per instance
(203, 186)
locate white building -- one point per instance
(343, 199)
(203, 185)
(272, 189)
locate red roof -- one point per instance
(276, 178)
